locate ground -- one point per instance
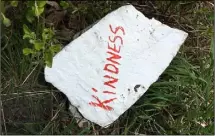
(180, 102)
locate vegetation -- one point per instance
(180, 102)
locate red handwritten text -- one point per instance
(111, 67)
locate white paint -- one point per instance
(149, 46)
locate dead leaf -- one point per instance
(54, 18)
(64, 34)
(54, 4)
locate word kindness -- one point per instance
(111, 67)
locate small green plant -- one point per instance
(14, 3)
(41, 47)
(34, 9)
(45, 46)
(42, 40)
(64, 4)
(6, 21)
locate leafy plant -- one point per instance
(64, 4)
(42, 40)
(42, 47)
(6, 21)
(35, 9)
(14, 3)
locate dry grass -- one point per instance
(180, 102)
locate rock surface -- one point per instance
(108, 68)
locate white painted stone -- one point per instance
(147, 50)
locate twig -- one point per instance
(23, 96)
(7, 40)
(210, 3)
(95, 131)
(2, 110)
(167, 7)
(52, 111)
(25, 93)
(52, 118)
(29, 75)
(50, 121)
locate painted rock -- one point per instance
(109, 67)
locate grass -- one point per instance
(180, 102)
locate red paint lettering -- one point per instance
(114, 48)
(113, 56)
(108, 92)
(101, 104)
(116, 29)
(115, 37)
(114, 69)
(94, 90)
(111, 81)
